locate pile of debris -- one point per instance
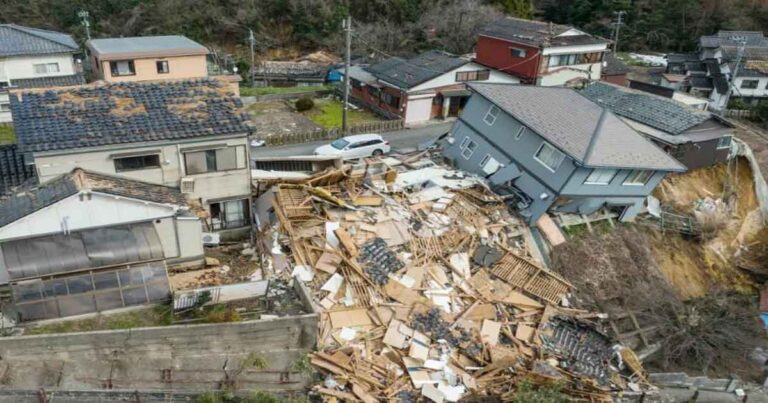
(427, 289)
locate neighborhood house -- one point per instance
(540, 53)
(147, 58)
(431, 85)
(190, 135)
(35, 58)
(554, 149)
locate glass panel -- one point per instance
(31, 311)
(235, 213)
(108, 300)
(130, 277)
(195, 162)
(105, 280)
(76, 305)
(134, 296)
(158, 292)
(226, 159)
(51, 308)
(241, 158)
(79, 284)
(27, 292)
(55, 288)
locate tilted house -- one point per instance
(554, 149)
(696, 138)
(86, 242)
(427, 86)
(189, 134)
(35, 58)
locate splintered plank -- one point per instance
(531, 278)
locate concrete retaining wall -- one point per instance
(279, 97)
(180, 358)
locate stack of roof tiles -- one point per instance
(120, 113)
(13, 170)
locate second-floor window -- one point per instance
(136, 163)
(162, 67)
(215, 160)
(574, 58)
(638, 178)
(476, 75)
(549, 156)
(517, 52)
(490, 116)
(122, 68)
(5, 107)
(600, 176)
(750, 84)
(46, 68)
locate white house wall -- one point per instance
(567, 73)
(449, 78)
(761, 90)
(564, 50)
(72, 213)
(21, 67)
(5, 117)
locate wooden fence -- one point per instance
(334, 133)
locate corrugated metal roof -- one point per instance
(579, 127)
(141, 44)
(16, 40)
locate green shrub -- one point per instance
(304, 104)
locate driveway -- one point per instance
(405, 140)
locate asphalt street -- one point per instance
(401, 141)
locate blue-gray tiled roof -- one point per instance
(51, 81)
(16, 40)
(13, 169)
(416, 70)
(663, 114)
(120, 113)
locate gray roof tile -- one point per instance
(16, 40)
(660, 113)
(536, 33)
(579, 127)
(120, 113)
(45, 82)
(408, 73)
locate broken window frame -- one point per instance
(213, 160)
(240, 215)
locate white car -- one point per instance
(358, 146)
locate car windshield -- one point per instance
(340, 144)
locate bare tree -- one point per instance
(454, 24)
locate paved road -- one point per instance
(402, 141)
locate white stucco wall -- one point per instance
(449, 78)
(760, 91)
(5, 116)
(21, 67)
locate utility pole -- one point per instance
(86, 23)
(617, 24)
(732, 80)
(252, 42)
(348, 31)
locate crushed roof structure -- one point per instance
(27, 200)
(168, 45)
(291, 69)
(407, 73)
(121, 113)
(14, 171)
(426, 287)
(51, 81)
(16, 40)
(614, 65)
(538, 33)
(587, 131)
(664, 114)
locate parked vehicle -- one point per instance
(357, 146)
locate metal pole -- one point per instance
(618, 23)
(84, 16)
(732, 81)
(348, 31)
(252, 41)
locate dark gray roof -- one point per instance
(27, 200)
(13, 169)
(16, 40)
(45, 82)
(734, 39)
(682, 57)
(146, 44)
(120, 113)
(660, 113)
(536, 33)
(584, 130)
(408, 73)
(614, 65)
(700, 82)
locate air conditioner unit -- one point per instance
(210, 238)
(187, 185)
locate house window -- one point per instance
(517, 52)
(217, 160)
(137, 163)
(390, 99)
(373, 91)
(749, 84)
(464, 143)
(549, 156)
(122, 68)
(586, 58)
(724, 142)
(46, 68)
(520, 132)
(356, 83)
(162, 67)
(476, 75)
(562, 60)
(600, 176)
(490, 116)
(469, 150)
(5, 107)
(229, 214)
(638, 178)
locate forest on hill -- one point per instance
(382, 27)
